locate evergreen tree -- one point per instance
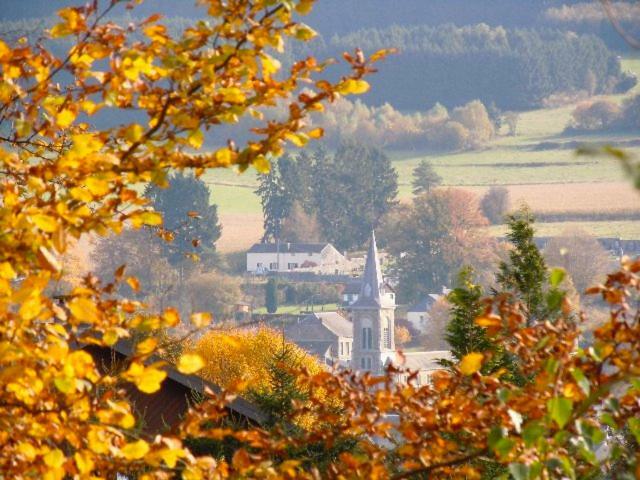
(525, 273)
(189, 215)
(276, 199)
(271, 295)
(425, 178)
(277, 402)
(463, 335)
(353, 189)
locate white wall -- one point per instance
(284, 259)
(418, 323)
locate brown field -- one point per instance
(602, 197)
(239, 231)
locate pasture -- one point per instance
(538, 165)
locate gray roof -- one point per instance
(352, 288)
(319, 326)
(425, 304)
(284, 247)
(425, 360)
(335, 322)
(319, 348)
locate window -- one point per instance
(292, 266)
(369, 363)
(348, 347)
(365, 363)
(341, 348)
(259, 265)
(387, 334)
(273, 266)
(362, 364)
(367, 338)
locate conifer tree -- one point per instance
(271, 295)
(425, 178)
(463, 335)
(525, 273)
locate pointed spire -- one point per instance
(372, 283)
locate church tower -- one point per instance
(373, 317)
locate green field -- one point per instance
(554, 178)
(295, 309)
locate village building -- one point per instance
(419, 314)
(366, 329)
(327, 335)
(322, 258)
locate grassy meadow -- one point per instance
(538, 165)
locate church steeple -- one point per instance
(373, 317)
(372, 289)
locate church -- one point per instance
(362, 338)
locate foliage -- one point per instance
(434, 238)
(604, 115)
(68, 172)
(300, 226)
(495, 204)
(242, 359)
(463, 334)
(276, 201)
(581, 255)
(271, 295)
(402, 335)
(424, 178)
(213, 291)
(525, 273)
(190, 220)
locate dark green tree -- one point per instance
(276, 199)
(463, 335)
(425, 178)
(271, 295)
(525, 274)
(353, 189)
(189, 215)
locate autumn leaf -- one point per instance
(201, 319)
(135, 450)
(190, 363)
(471, 363)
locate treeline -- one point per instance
(509, 68)
(606, 115)
(438, 129)
(338, 197)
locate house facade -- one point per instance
(263, 258)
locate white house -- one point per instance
(289, 257)
(418, 315)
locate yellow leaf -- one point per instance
(489, 321)
(298, 139)
(135, 450)
(201, 319)
(4, 50)
(224, 156)
(147, 379)
(6, 271)
(134, 132)
(471, 363)
(133, 283)
(46, 223)
(30, 308)
(315, 133)
(304, 7)
(146, 346)
(54, 458)
(84, 310)
(171, 317)
(196, 139)
(352, 87)
(261, 164)
(84, 462)
(233, 95)
(304, 32)
(170, 456)
(27, 450)
(97, 186)
(145, 218)
(65, 117)
(190, 363)
(270, 65)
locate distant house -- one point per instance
(288, 257)
(326, 335)
(350, 293)
(418, 314)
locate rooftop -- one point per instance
(285, 247)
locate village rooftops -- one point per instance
(286, 247)
(332, 321)
(425, 360)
